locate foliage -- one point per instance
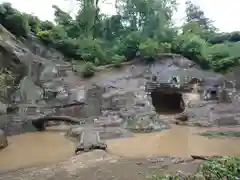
(192, 47)
(46, 25)
(195, 14)
(219, 38)
(88, 70)
(45, 36)
(149, 48)
(223, 57)
(217, 168)
(33, 22)
(91, 49)
(140, 27)
(117, 61)
(220, 168)
(17, 24)
(127, 45)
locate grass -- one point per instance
(222, 168)
(220, 134)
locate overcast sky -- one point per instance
(225, 13)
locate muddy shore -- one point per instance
(99, 165)
(136, 156)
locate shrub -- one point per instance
(149, 48)
(33, 22)
(127, 45)
(217, 168)
(46, 25)
(221, 168)
(17, 24)
(91, 49)
(87, 57)
(117, 61)
(224, 37)
(165, 47)
(88, 70)
(45, 36)
(223, 57)
(193, 47)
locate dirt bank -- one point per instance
(99, 165)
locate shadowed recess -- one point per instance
(167, 102)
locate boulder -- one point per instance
(226, 120)
(3, 139)
(74, 132)
(181, 117)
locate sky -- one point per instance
(224, 13)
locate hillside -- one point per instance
(19, 60)
(145, 30)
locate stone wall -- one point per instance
(93, 100)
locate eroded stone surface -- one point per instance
(104, 132)
(90, 140)
(120, 97)
(125, 100)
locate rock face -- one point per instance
(132, 97)
(197, 94)
(43, 81)
(88, 141)
(39, 78)
(3, 140)
(124, 100)
(136, 95)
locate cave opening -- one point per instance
(166, 102)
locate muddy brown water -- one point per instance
(40, 148)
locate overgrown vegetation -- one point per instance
(215, 169)
(88, 69)
(139, 27)
(220, 134)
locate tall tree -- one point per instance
(150, 16)
(196, 14)
(88, 16)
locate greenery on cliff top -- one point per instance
(140, 27)
(216, 169)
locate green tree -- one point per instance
(46, 25)
(33, 22)
(88, 16)
(17, 24)
(192, 47)
(140, 27)
(194, 13)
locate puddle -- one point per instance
(40, 148)
(177, 141)
(36, 148)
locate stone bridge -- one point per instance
(40, 123)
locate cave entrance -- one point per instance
(167, 102)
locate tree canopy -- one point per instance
(140, 27)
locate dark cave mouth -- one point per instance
(167, 102)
